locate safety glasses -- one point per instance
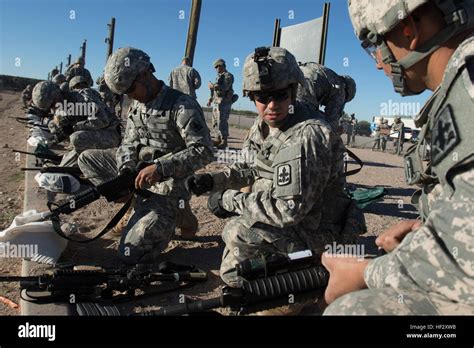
(277, 96)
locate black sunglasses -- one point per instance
(264, 97)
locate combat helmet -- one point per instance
(123, 67)
(350, 88)
(270, 68)
(58, 79)
(372, 19)
(76, 80)
(45, 94)
(218, 62)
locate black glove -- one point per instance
(199, 183)
(214, 204)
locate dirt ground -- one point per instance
(205, 250)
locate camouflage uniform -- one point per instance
(297, 200)
(78, 69)
(168, 131)
(222, 94)
(350, 131)
(185, 79)
(98, 130)
(376, 138)
(111, 99)
(384, 127)
(26, 95)
(397, 126)
(325, 87)
(431, 271)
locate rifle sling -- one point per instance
(359, 162)
(112, 223)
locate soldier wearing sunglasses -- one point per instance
(297, 199)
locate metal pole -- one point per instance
(110, 39)
(193, 29)
(68, 60)
(61, 68)
(324, 34)
(49, 76)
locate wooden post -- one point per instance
(193, 29)
(276, 33)
(324, 33)
(110, 39)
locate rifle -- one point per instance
(211, 97)
(267, 282)
(47, 155)
(112, 190)
(257, 294)
(92, 283)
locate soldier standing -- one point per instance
(221, 101)
(385, 132)
(324, 87)
(165, 128)
(185, 78)
(428, 270)
(376, 138)
(397, 126)
(297, 199)
(350, 130)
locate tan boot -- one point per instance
(217, 141)
(118, 229)
(187, 222)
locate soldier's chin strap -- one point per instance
(458, 17)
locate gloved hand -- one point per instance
(199, 183)
(214, 204)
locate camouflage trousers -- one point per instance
(376, 143)
(153, 221)
(387, 301)
(220, 120)
(243, 243)
(88, 139)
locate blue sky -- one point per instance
(42, 34)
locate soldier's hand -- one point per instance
(210, 85)
(346, 275)
(148, 176)
(390, 239)
(199, 183)
(214, 204)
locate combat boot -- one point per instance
(187, 222)
(217, 141)
(118, 229)
(223, 144)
